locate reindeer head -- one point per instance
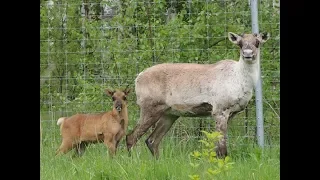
(249, 44)
(119, 98)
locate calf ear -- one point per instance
(127, 91)
(109, 92)
(234, 38)
(263, 37)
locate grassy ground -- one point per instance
(250, 162)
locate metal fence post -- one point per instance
(258, 89)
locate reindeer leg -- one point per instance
(163, 126)
(149, 115)
(221, 126)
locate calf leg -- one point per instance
(80, 148)
(65, 146)
(162, 127)
(149, 115)
(110, 142)
(119, 136)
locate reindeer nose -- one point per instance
(247, 53)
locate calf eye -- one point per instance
(125, 98)
(113, 98)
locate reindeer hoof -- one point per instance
(221, 153)
(149, 145)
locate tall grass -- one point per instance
(251, 162)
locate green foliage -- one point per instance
(90, 53)
(207, 160)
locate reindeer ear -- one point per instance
(109, 92)
(263, 37)
(234, 38)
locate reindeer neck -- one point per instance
(251, 69)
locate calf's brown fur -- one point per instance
(108, 127)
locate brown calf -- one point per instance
(108, 127)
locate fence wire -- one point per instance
(87, 46)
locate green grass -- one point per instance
(250, 162)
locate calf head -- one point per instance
(119, 98)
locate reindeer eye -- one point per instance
(240, 44)
(113, 98)
(257, 43)
(124, 98)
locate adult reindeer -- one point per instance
(167, 91)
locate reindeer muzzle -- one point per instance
(248, 54)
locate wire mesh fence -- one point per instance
(87, 46)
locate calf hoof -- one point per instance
(129, 144)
